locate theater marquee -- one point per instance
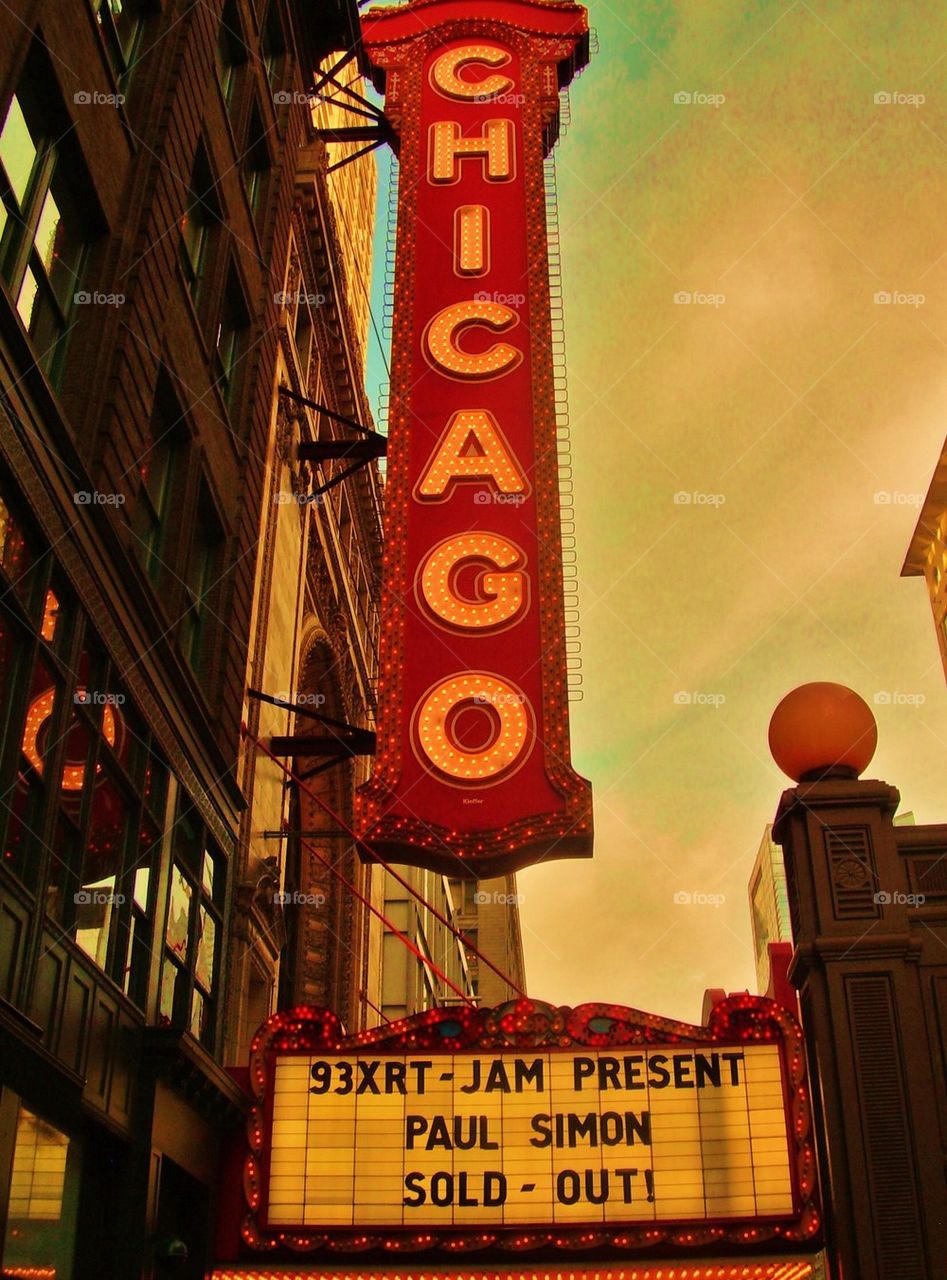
(660, 1136)
(530, 1126)
(473, 737)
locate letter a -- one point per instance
(471, 447)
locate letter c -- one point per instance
(445, 73)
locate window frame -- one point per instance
(21, 256)
(257, 162)
(204, 208)
(76, 659)
(233, 299)
(198, 600)
(184, 971)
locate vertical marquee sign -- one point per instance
(473, 744)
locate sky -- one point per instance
(783, 166)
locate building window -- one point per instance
(200, 580)
(199, 223)
(43, 238)
(273, 46)
(39, 1237)
(256, 163)
(179, 534)
(161, 471)
(232, 330)
(120, 22)
(303, 333)
(231, 52)
(82, 788)
(190, 977)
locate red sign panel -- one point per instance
(473, 743)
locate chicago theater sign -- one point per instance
(473, 738)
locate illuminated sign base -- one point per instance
(530, 1127)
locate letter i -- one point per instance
(472, 240)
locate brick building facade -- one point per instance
(164, 205)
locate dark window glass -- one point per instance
(120, 22)
(256, 164)
(160, 471)
(199, 221)
(201, 574)
(51, 625)
(231, 339)
(231, 52)
(63, 882)
(273, 46)
(38, 736)
(22, 563)
(302, 332)
(155, 786)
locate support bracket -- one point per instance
(359, 453)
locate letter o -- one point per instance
(499, 700)
(442, 1188)
(568, 1187)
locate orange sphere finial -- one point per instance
(822, 729)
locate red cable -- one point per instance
(391, 871)
(363, 996)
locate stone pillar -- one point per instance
(877, 1075)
